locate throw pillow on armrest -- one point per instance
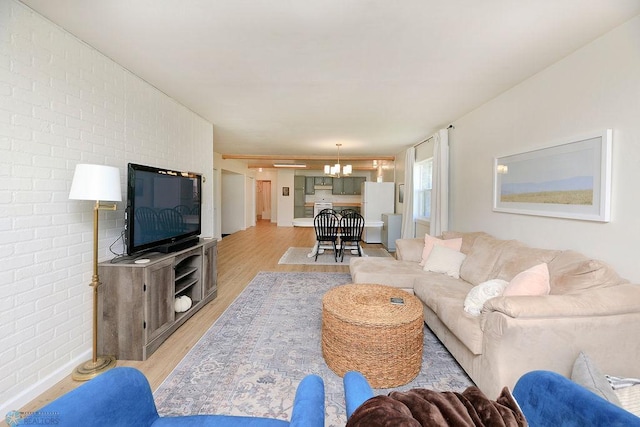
(444, 260)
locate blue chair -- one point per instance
(547, 399)
(122, 397)
(356, 391)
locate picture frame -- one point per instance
(567, 180)
(285, 191)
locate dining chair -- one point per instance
(351, 228)
(326, 226)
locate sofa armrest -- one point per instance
(308, 405)
(409, 249)
(549, 399)
(615, 300)
(356, 391)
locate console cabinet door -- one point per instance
(209, 273)
(120, 319)
(159, 290)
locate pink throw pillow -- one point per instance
(534, 281)
(430, 242)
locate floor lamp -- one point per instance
(97, 183)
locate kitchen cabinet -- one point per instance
(299, 185)
(309, 185)
(348, 185)
(323, 180)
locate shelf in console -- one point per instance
(183, 271)
(183, 284)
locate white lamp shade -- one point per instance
(96, 182)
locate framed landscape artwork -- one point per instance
(569, 180)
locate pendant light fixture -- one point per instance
(337, 170)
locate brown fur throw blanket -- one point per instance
(422, 407)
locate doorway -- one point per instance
(263, 200)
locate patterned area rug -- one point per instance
(300, 256)
(253, 357)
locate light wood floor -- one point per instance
(241, 256)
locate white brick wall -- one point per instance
(63, 103)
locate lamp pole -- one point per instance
(98, 364)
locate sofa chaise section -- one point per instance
(589, 308)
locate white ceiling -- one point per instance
(295, 77)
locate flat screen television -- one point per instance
(163, 209)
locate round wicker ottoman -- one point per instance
(362, 330)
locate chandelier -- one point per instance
(337, 170)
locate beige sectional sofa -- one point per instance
(589, 308)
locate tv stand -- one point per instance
(178, 245)
(136, 302)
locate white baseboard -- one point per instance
(35, 390)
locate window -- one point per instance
(422, 180)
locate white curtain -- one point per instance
(408, 221)
(440, 184)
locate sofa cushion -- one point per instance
(409, 249)
(533, 281)
(464, 326)
(445, 296)
(430, 242)
(515, 259)
(571, 272)
(444, 260)
(384, 271)
(468, 238)
(481, 259)
(431, 287)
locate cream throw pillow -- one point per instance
(533, 281)
(629, 398)
(444, 260)
(477, 296)
(430, 242)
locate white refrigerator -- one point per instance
(377, 199)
